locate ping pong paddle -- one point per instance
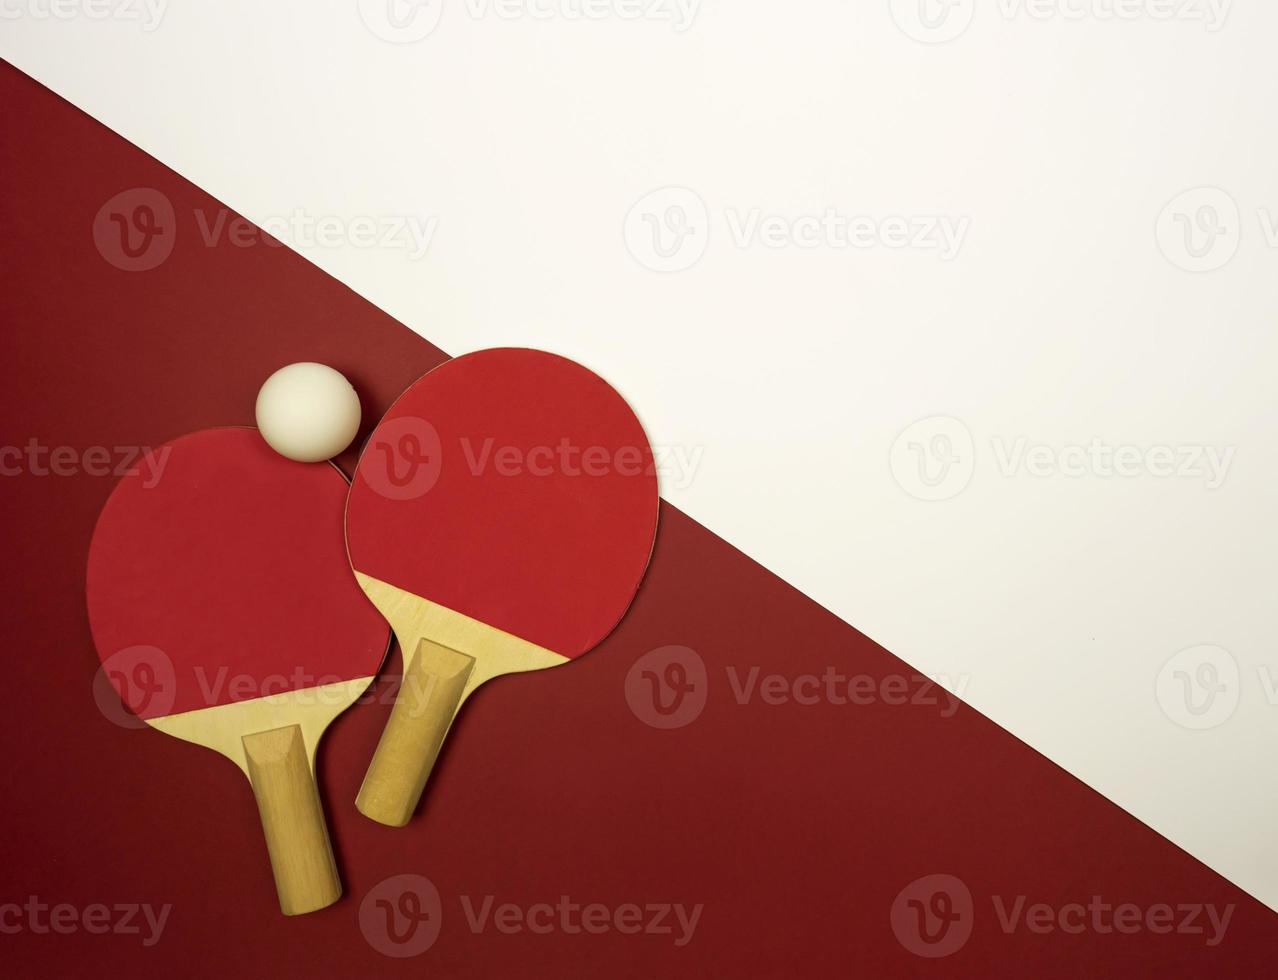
(501, 517)
(222, 607)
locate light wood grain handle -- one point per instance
(293, 820)
(430, 693)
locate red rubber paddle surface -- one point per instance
(515, 487)
(231, 563)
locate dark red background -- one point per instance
(796, 826)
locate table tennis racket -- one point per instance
(501, 517)
(230, 568)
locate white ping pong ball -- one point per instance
(307, 412)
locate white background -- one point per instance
(1070, 313)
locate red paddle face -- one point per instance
(231, 572)
(514, 487)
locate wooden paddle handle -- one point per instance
(293, 820)
(429, 695)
